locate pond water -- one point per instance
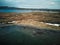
(14, 35)
(10, 10)
(20, 11)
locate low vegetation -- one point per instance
(45, 17)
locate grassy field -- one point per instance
(38, 16)
(32, 17)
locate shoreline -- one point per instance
(3, 25)
(39, 25)
(49, 28)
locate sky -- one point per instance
(50, 4)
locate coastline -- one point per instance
(3, 25)
(38, 25)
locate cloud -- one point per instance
(9, 0)
(52, 3)
(32, 3)
(15, 0)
